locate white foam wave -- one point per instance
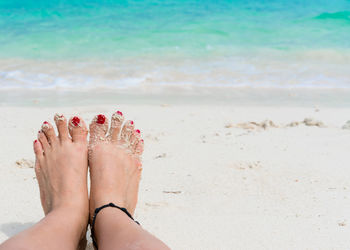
(306, 70)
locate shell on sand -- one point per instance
(256, 125)
(346, 125)
(313, 122)
(25, 163)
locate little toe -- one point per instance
(127, 130)
(139, 148)
(116, 123)
(49, 131)
(61, 123)
(38, 150)
(77, 129)
(98, 128)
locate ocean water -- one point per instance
(75, 44)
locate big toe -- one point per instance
(98, 128)
(77, 129)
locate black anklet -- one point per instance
(97, 210)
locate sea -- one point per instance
(155, 44)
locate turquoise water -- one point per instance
(129, 43)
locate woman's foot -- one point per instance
(115, 171)
(61, 170)
(114, 161)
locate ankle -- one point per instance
(80, 203)
(70, 221)
(77, 214)
(111, 219)
(103, 197)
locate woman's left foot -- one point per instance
(61, 170)
(114, 162)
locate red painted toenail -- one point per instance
(138, 131)
(132, 122)
(119, 113)
(45, 126)
(101, 119)
(75, 121)
(35, 141)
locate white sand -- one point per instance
(206, 186)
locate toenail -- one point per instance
(75, 121)
(100, 119)
(59, 117)
(118, 116)
(138, 131)
(45, 125)
(35, 141)
(129, 126)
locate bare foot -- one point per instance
(114, 161)
(61, 170)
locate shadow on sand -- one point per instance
(13, 228)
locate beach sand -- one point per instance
(214, 177)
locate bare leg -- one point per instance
(115, 171)
(61, 170)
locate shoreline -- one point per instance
(240, 96)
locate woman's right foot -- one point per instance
(114, 162)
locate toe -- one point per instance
(38, 150)
(127, 130)
(98, 128)
(49, 131)
(134, 139)
(77, 129)
(44, 142)
(139, 148)
(62, 128)
(116, 123)
(39, 154)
